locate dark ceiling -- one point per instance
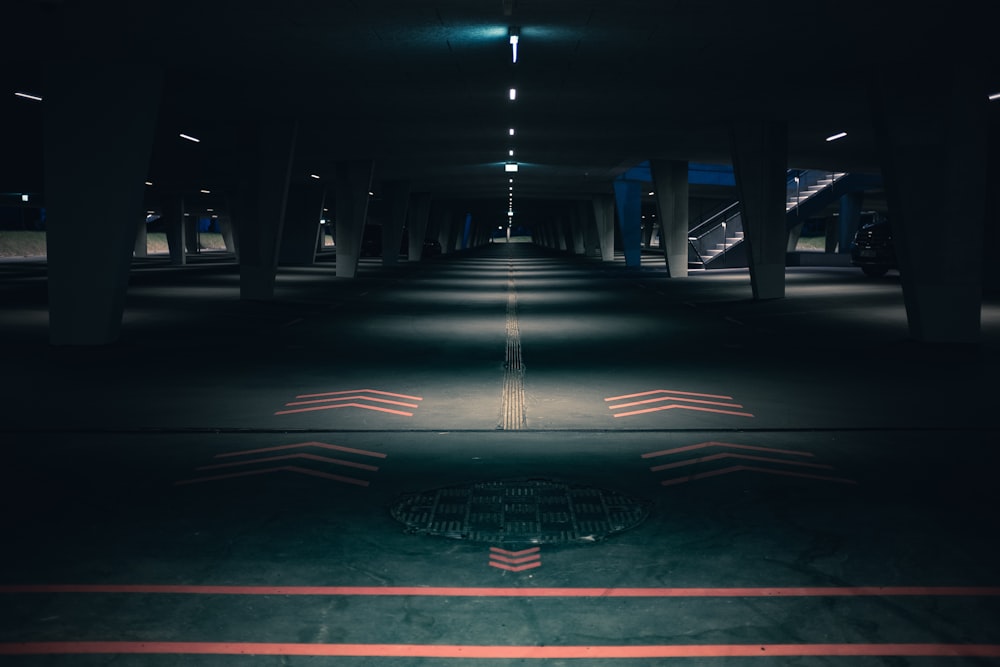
(422, 87)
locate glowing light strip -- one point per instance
(190, 138)
(834, 137)
(29, 96)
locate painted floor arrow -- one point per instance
(349, 398)
(257, 459)
(515, 561)
(676, 400)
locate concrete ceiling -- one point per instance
(422, 87)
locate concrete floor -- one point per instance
(821, 490)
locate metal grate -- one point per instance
(520, 512)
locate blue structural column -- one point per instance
(418, 215)
(760, 164)
(628, 200)
(96, 158)
(261, 206)
(353, 183)
(670, 182)
(934, 164)
(301, 228)
(397, 194)
(604, 217)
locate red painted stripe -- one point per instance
(360, 391)
(514, 561)
(512, 592)
(516, 568)
(665, 391)
(502, 652)
(323, 445)
(344, 405)
(515, 554)
(683, 407)
(728, 445)
(730, 455)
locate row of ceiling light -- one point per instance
(510, 165)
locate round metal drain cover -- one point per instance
(520, 512)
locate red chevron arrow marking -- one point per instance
(290, 468)
(333, 400)
(729, 445)
(515, 561)
(680, 400)
(747, 457)
(769, 471)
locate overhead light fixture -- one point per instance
(316, 176)
(24, 197)
(28, 96)
(834, 137)
(511, 152)
(510, 167)
(513, 94)
(190, 138)
(511, 132)
(205, 192)
(515, 34)
(149, 182)
(994, 97)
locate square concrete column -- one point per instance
(604, 217)
(397, 194)
(760, 164)
(260, 206)
(670, 181)
(934, 165)
(96, 155)
(353, 183)
(301, 228)
(418, 215)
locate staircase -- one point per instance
(718, 241)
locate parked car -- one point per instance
(872, 248)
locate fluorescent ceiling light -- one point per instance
(511, 132)
(513, 94)
(149, 182)
(314, 176)
(29, 96)
(514, 38)
(510, 166)
(511, 152)
(24, 197)
(834, 137)
(205, 192)
(994, 96)
(190, 138)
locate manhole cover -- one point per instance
(520, 512)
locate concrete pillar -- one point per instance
(934, 163)
(850, 220)
(418, 215)
(175, 226)
(353, 183)
(991, 233)
(141, 247)
(670, 181)
(228, 236)
(604, 217)
(301, 228)
(260, 206)
(397, 194)
(760, 163)
(96, 158)
(576, 228)
(628, 200)
(585, 210)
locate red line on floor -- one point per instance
(516, 568)
(344, 405)
(265, 471)
(730, 455)
(360, 391)
(285, 457)
(500, 652)
(323, 445)
(514, 561)
(682, 407)
(512, 592)
(769, 471)
(713, 443)
(665, 391)
(515, 554)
